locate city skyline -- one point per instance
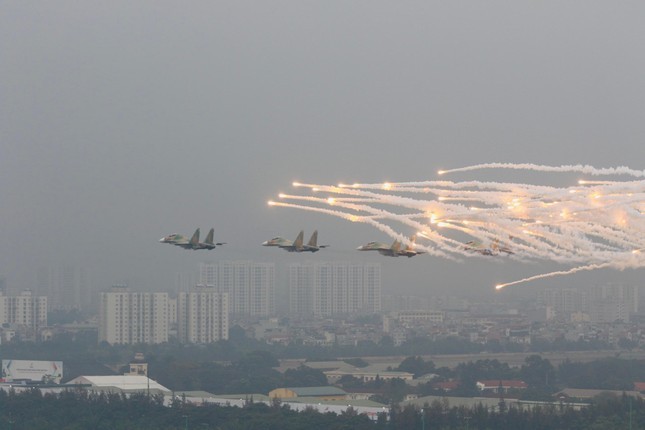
(272, 286)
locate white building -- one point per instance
(330, 288)
(250, 286)
(603, 303)
(126, 384)
(25, 312)
(172, 311)
(66, 287)
(202, 315)
(423, 316)
(564, 301)
(610, 303)
(126, 317)
(300, 289)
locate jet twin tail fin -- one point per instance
(209, 238)
(313, 242)
(396, 246)
(297, 244)
(195, 239)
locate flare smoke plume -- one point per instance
(590, 225)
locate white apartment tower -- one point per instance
(250, 286)
(603, 303)
(331, 288)
(202, 315)
(24, 310)
(126, 317)
(66, 287)
(300, 289)
(609, 303)
(184, 281)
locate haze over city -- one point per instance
(122, 123)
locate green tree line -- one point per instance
(73, 410)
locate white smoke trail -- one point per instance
(552, 274)
(589, 170)
(592, 224)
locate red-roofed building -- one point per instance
(493, 385)
(639, 386)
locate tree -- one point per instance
(258, 359)
(417, 366)
(304, 376)
(538, 372)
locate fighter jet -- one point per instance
(182, 241)
(298, 244)
(382, 248)
(194, 243)
(208, 242)
(494, 249)
(393, 250)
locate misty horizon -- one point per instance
(122, 123)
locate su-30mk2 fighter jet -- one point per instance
(298, 244)
(494, 249)
(194, 243)
(393, 250)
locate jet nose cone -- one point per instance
(360, 248)
(265, 243)
(163, 239)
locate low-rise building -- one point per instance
(420, 316)
(125, 384)
(367, 375)
(325, 393)
(503, 385)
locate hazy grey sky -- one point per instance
(124, 121)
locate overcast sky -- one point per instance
(125, 121)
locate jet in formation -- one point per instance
(192, 243)
(393, 250)
(494, 249)
(298, 244)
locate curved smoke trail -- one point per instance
(590, 225)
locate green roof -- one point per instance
(317, 391)
(357, 403)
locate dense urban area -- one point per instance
(227, 349)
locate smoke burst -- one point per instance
(589, 225)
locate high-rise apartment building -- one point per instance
(602, 303)
(330, 288)
(66, 288)
(202, 315)
(184, 281)
(565, 301)
(609, 303)
(25, 311)
(127, 317)
(301, 289)
(250, 286)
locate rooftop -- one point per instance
(120, 382)
(317, 391)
